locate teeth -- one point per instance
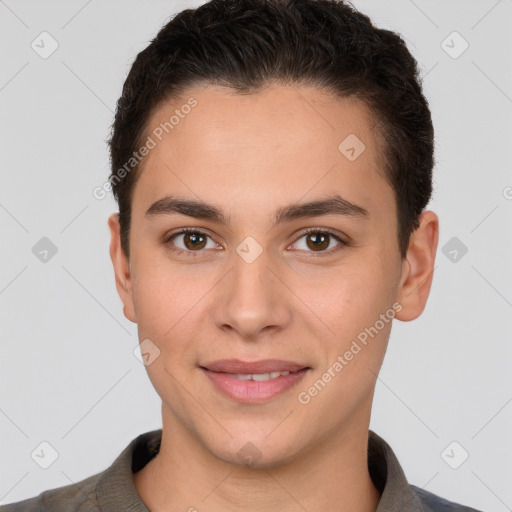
(260, 376)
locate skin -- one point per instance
(250, 155)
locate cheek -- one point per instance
(351, 303)
(165, 302)
(354, 353)
(344, 298)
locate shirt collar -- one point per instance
(389, 478)
(115, 489)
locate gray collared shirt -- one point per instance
(113, 490)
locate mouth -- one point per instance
(254, 382)
(259, 377)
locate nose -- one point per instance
(251, 299)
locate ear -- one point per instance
(121, 268)
(418, 268)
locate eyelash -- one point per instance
(309, 231)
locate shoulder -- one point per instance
(433, 503)
(77, 497)
(111, 489)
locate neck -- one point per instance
(186, 476)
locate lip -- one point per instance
(262, 366)
(222, 374)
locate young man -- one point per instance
(272, 161)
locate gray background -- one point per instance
(68, 373)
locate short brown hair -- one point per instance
(246, 44)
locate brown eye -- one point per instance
(318, 240)
(190, 242)
(194, 241)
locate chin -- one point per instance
(255, 451)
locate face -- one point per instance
(248, 282)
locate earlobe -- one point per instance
(122, 270)
(418, 269)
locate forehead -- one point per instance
(281, 144)
(278, 115)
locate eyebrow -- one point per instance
(333, 205)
